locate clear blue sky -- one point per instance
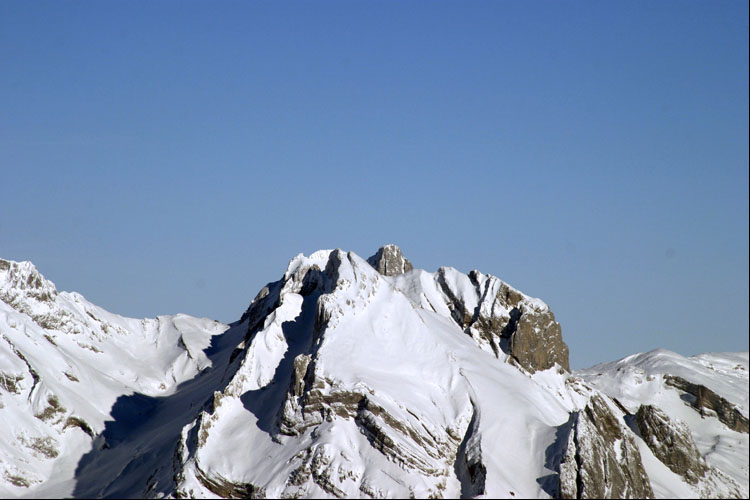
(164, 157)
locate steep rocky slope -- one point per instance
(352, 378)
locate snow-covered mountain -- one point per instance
(352, 378)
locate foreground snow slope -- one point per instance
(353, 378)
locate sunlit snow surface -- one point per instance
(174, 397)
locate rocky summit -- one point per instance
(353, 378)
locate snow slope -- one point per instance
(63, 364)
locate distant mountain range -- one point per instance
(353, 378)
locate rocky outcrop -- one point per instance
(312, 401)
(469, 467)
(671, 442)
(227, 489)
(22, 283)
(708, 403)
(601, 458)
(389, 261)
(507, 320)
(537, 342)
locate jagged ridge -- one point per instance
(354, 378)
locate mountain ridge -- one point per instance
(349, 377)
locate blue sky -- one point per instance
(164, 157)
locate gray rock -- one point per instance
(601, 458)
(537, 343)
(671, 442)
(469, 467)
(227, 489)
(515, 325)
(389, 261)
(708, 403)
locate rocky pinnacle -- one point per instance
(389, 261)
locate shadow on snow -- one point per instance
(139, 442)
(265, 402)
(133, 456)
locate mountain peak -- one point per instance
(21, 281)
(390, 261)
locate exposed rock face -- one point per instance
(389, 261)
(708, 403)
(505, 319)
(671, 442)
(469, 467)
(537, 343)
(226, 489)
(601, 459)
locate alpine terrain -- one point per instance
(352, 377)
